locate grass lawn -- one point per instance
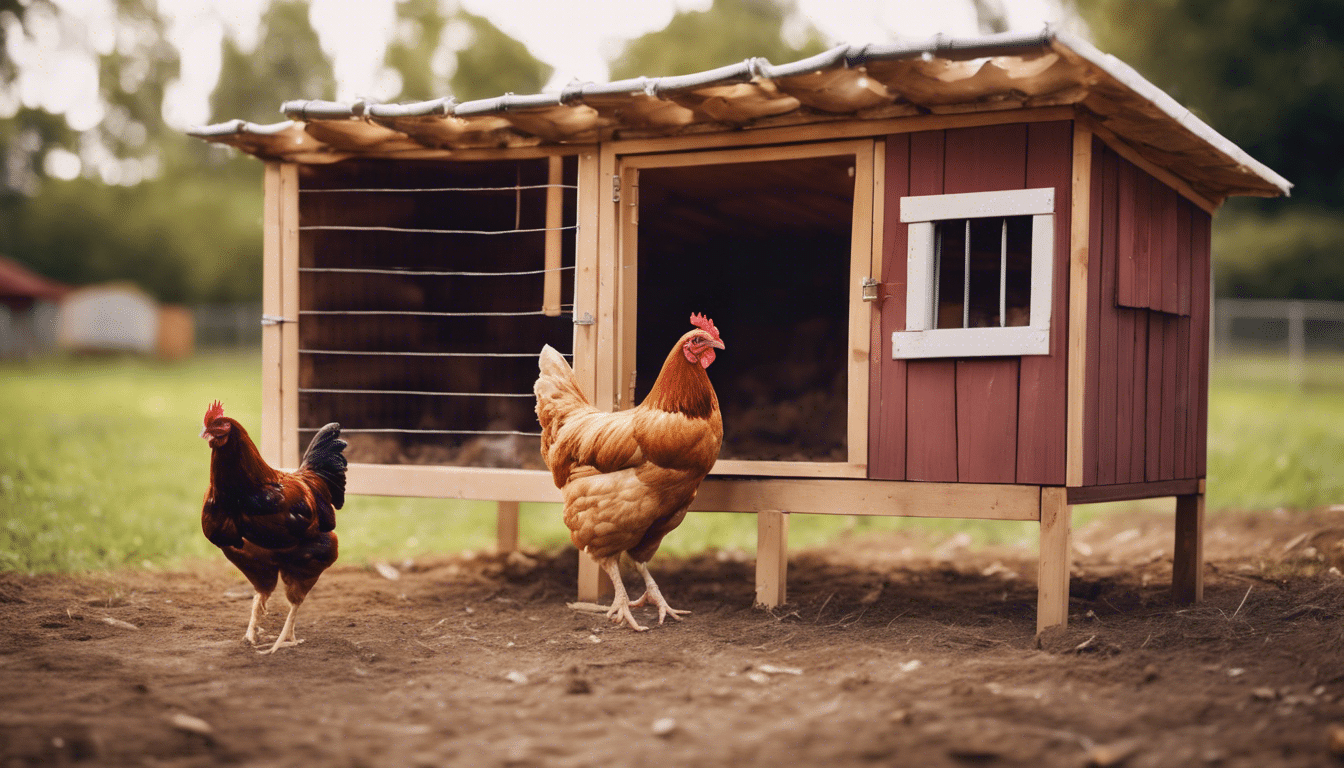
(101, 466)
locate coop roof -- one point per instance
(939, 76)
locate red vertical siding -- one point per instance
(1173, 355)
(931, 404)
(983, 160)
(1200, 229)
(1107, 355)
(887, 394)
(1042, 425)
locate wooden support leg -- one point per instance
(1052, 597)
(506, 526)
(1187, 567)
(594, 585)
(772, 558)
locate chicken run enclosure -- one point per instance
(967, 278)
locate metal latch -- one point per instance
(274, 320)
(869, 289)
(615, 189)
(587, 319)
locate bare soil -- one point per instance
(892, 649)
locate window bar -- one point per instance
(966, 284)
(420, 354)
(442, 189)
(527, 395)
(354, 228)
(345, 431)
(432, 273)
(937, 271)
(1003, 275)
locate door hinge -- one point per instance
(615, 189)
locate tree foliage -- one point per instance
(729, 32)
(461, 54)
(1269, 75)
(288, 63)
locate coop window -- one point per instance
(978, 274)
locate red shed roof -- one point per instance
(20, 282)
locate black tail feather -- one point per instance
(324, 458)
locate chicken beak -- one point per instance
(716, 343)
(205, 433)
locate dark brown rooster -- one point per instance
(271, 523)
(628, 477)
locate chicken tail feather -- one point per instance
(325, 459)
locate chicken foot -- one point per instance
(286, 638)
(653, 596)
(620, 600)
(258, 608)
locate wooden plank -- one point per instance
(1098, 494)
(1108, 332)
(555, 206)
(1166, 219)
(506, 526)
(1097, 263)
(442, 482)
(1052, 589)
(987, 400)
(271, 305)
(608, 296)
(1138, 389)
(586, 254)
(867, 202)
(1182, 255)
(1181, 423)
(842, 128)
(982, 501)
(594, 584)
(1043, 381)
(1152, 413)
(627, 289)
(1142, 191)
(1127, 350)
(981, 160)
(1079, 246)
(1173, 358)
(886, 426)
(753, 468)
(1200, 226)
(289, 330)
(1187, 567)
(772, 558)
(931, 415)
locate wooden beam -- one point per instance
(586, 253)
(870, 497)
(555, 208)
(289, 329)
(1052, 590)
(608, 259)
(1079, 224)
(772, 558)
(594, 584)
(439, 482)
(860, 312)
(506, 526)
(844, 128)
(1187, 568)
(1152, 169)
(1094, 494)
(272, 305)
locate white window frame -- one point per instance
(921, 338)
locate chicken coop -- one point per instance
(965, 278)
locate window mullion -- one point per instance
(966, 282)
(1003, 274)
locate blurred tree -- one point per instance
(1269, 75)
(462, 54)
(729, 32)
(287, 63)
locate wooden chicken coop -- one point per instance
(967, 278)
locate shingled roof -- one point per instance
(938, 76)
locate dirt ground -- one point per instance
(891, 650)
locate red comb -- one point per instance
(213, 412)
(705, 324)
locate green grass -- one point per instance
(101, 467)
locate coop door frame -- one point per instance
(622, 302)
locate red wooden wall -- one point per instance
(984, 419)
(1146, 404)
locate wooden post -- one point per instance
(555, 201)
(1052, 596)
(272, 306)
(1079, 223)
(290, 449)
(1187, 567)
(772, 558)
(506, 526)
(594, 585)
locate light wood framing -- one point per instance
(1187, 568)
(289, 329)
(833, 496)
(1052, 590)
(1156, 171)
(1079, 226)
(506, 526)
(586, 255)
(860, 313)
(271, 306)
(772, 558)
(555, 208)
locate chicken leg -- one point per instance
(286, 638)
(652, 596)
(258, 608)
(620, 600)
